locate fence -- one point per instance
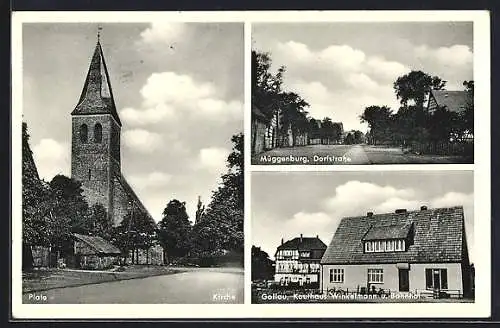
(443, 148)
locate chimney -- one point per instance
(317, 236)
(282, 241)
(369, 214)
(423, 208)
(400, 210)
(300, 238)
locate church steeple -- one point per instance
(97, 95)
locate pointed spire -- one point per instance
(97, 95)
(99, 28)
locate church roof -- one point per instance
(97, 95)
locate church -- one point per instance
(95, 145)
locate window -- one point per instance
(336, 275)
(90, 174)
(98, 133)
(375, 275)
(436, 278)
(83, 133)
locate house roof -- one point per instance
(257, 113)
(303, 244)
(437, 237)
(97, 95)
(454, 101)
(394, 231)
(98, 244)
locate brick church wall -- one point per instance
(121, 206)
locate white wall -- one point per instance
(357, 275)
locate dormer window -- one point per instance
(392, 238)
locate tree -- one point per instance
(467, 116)
(378, 119)
(174, 230)
(97, 222)
(314, 129)
(293, 114)
(262, 265)
(35, 203)
(415, 86)
(137, 230)
(349, 139)
(68, 210)
(266, 86)
(200, 210)
(358, 137)
(222, 226)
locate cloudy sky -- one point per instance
(178, 89)
(317, 201)
(340, 68)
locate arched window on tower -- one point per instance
(84, 133)
(98, 133)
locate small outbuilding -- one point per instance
(94, 252)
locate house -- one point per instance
(94, 252)
(259, 128)
(453, 101)
(419, 251)
(298, 261)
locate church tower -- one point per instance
(95, 142)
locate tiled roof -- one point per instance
(437, 237)
(130, 193)
(97, 95)
(395, 231)
(303, 243)
(99, 244)
(454, 101)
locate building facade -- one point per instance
(421, 252)
(298, 261)
(95, 145)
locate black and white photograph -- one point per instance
(132, 163)
(362, 93)
(363, 237)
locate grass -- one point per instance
(45, 279)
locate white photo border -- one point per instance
(481, 308)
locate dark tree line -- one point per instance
(288, 108)
(262, 265)
(412, 122)
(218, 228)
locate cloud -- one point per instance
(213, 159)
(352, 196)
(142, 140)
(339, 81)
(150, 115)
(162, 32)
(52, 157)
(150, 180)
(456, 55)
(169, 96)
(333, 57)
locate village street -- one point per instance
(347, 154)
(197, 286)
